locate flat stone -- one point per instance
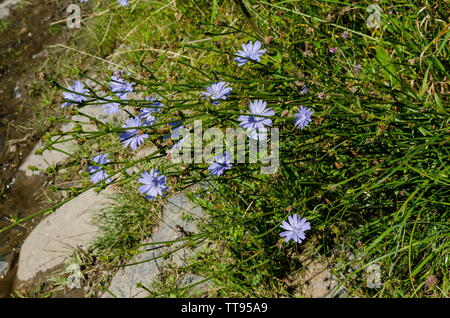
(59, 234)
(50, 158)
(47, 159)
(5, 7)
(320, 282)
(315, 281)
(151, 264)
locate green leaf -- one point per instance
(385, 60)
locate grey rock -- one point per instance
(320, 282)
(47, 159)
(53, 157)
(151, 262)
(59, 234)
(315, 281)
(5, 7)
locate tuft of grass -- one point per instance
(124, 225)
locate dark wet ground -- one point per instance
(22, 47)
(22, 51)
(25, 197)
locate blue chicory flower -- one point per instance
(147, 113)
(122, 96)
(249, 51)
(303, 117)
(120, 86)
(221, 163)
(111, 108)
(123, 3)
(70, 98)
(295, 229)
(179, 144)
(153, 184)
(304, 90)
(256, 125)
(133, 137)
(97, 172)
(177, 130)
(217, 91)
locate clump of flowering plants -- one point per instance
(359, 160)
(164, 118)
